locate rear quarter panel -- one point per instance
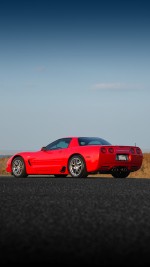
(90, 155)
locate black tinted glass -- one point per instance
(86, 141)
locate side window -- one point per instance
(95, 142)
(62, 144)
(59, 144)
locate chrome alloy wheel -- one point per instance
(76, 166)
(17, 167)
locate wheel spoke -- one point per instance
(76, 166)
(17, 167)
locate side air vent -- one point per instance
(63, 169)
(29, 162)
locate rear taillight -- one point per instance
(103, 150)
(138, 151)
(111, 150)
(108, 149)
(132, 150)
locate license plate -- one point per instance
(122, 157)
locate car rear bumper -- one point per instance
(110, 164)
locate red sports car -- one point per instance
(78, 157)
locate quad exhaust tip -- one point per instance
(122, 169)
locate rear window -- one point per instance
(87, 141)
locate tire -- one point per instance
(120, 174)
(18, 167)
(60, 175)
(77, 167)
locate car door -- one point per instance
(52, 158)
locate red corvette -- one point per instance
(77, 156)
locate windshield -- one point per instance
(87, 141)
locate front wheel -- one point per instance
(77, 167)
(18, 167)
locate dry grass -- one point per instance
(3, 162)
(144, 172)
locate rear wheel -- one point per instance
(77, 167)
(120, 174)
(18, 167)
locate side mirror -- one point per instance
(43, 148)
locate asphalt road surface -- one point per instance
(93, 221)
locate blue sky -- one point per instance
(78, 68)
